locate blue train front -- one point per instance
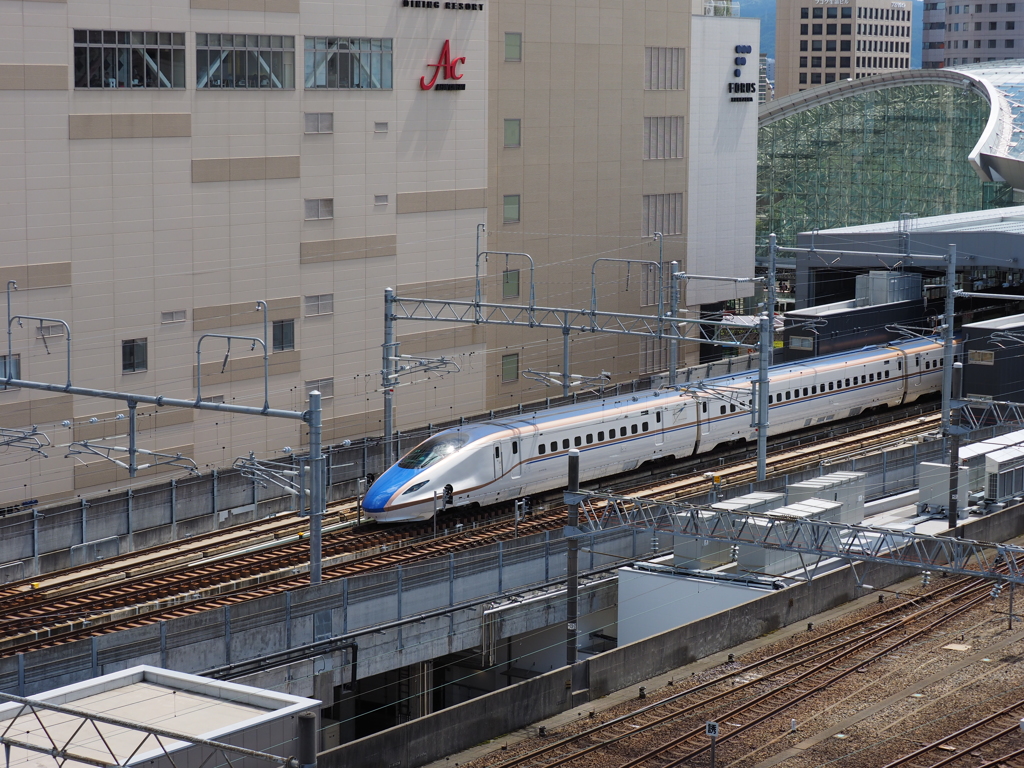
(406, 491)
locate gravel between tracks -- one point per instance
(919, 693)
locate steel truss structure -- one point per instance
(60, 746)
(817, 538)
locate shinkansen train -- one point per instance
(503, 459)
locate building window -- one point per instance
(284, 335)
(1011, 7)
(846, 29)
(513, 46)
(1011, 25)
(245, 61)
(10, 368)
(844, 45)
(830, 29)
(348, 62)
(380, 127)
(830, 61)
(816, 29)
(662, 213)
(652, 355)
(977, 26)
(804, 29)
(133, 356)
(1009, 44)
(816, 61)
(830, 77)
(993, 25)
(803, 45)
(380, 199)
(176, 316)
(320, 304)
(510, 367)
(663, 138)
(844, 61)
(847, 13)
(817, 13)
(803, 62)
(815, 45)
(319, 122)
(830, 45)
(108, 59)
(991, 43)
(804, 13)
(510, 209)
(649, 288)
(815, 78)
(324, 386)
(510, 284)
(322, 208)
(803, 78)
(513, 135)
(664, 69)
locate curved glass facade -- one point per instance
(870, 157)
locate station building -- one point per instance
(828, 41)
(168, 164)
(916, 143)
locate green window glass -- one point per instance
(511, 209)
(510, 367)
(513, 46)
(512, 133)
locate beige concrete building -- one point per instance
(821, 41)
(168, 163)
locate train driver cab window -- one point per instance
(541, 448)
(565, 444)
(515, 447)
(633, 428)
(578, 441)
(590, 439)
(554, 445)
(600, 437)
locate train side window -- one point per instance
(805, 391)
(722, 410)
(644, 426)
(565, 444)
(887, 374)
(927, 364)
(497, 452)
(847, 382)
(769, 399)
(814, 390)
(787, 394)
(515, 447)
(732, 408)
(578, 441)
(830, 386)
(633, 428)
(704, 407)
(590, 439)
(554, 445)
(899, 365)
(541, 448)
(942, 361)
(600, 437)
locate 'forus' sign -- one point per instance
(741, 88)
(445, 66)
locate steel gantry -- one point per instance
(818, 538)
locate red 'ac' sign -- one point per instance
(445, 63)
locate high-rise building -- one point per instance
(817, 43)
(933, 38)
(166, 165)
(973, 33)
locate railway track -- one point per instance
(671, 732)
(37, 618)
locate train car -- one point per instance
(511, 458)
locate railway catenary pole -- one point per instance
(947, 337)
(673, 340)
(572, 559)
(387, 375)
(764, 354)
(318, 491)
(773, 265)
(954, 451)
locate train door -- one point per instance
(516, 458)
(914, 374)
(498, 471)
(704, 418)
(659, 426)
